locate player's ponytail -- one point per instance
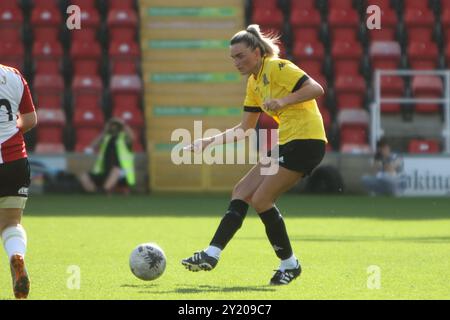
(254, 38)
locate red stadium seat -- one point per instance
(306, 35)
(49, 84)
(90, 17)
(313, 68)
(51, 117)
(418, 17)
(85, 136)
(383, 4)
(346, 50)
(124, 50)
(11, 34)
(421, 146)
(48, 100)
(86, 67)
(124, 68)
(419, 4)
(86, 51)
(11, 17)
(49, 139)
(48, 16)
(45, 3)
(383, 34)
(125, 100)
(47, 66)
(131, 116)
(12, 54)
(264, 4)
(86, 101)
(47, 50)
(302, 4)
(423, 55)
(83, 35)
(120, 4)
(350, 90)
(305, 18)
(343, 17)
(350, 83)
(83, 3)
(447, 54)
(392, 87)
(46, 34)
(268, 18)
(326, 117)
(122, 18)
(427, 87)
(341, 4)
(87, 84)
(126, 84)
(420, 34)
(387, 53)
(343, 34)
(9, 4)
(353, 134)
(347, 66)
(122, 34)
(304, 51)
(88, 118)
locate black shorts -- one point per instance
(301, 155)
(15, 178)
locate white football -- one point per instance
(147, 261)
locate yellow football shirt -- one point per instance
(276, 79)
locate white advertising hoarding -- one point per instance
(426, 176)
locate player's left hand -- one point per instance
(273, 104)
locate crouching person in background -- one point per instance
(114, 167)
(388, 167)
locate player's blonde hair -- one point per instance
(254, 38)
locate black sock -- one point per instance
(276, 232)
(231, 222)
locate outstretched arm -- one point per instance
(236, 133)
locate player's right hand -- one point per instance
(198, 145)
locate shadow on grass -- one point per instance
(183, 289)
(214, 205)
(329, 238)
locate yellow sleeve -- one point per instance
(288, 75)
(250, 102)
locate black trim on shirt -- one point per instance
(300, 83)
(252, 109)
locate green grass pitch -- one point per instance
(336, 238)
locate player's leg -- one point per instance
(263, 200)
(297, 159)
(112, 179)
(87, 183)
(14, 183)
(14, 240)
(230, 223)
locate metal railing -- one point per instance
(377, 131)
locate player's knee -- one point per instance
(239, 192)
(260, 203)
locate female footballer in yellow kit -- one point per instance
(285, 92)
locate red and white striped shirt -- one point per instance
(15, 97)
